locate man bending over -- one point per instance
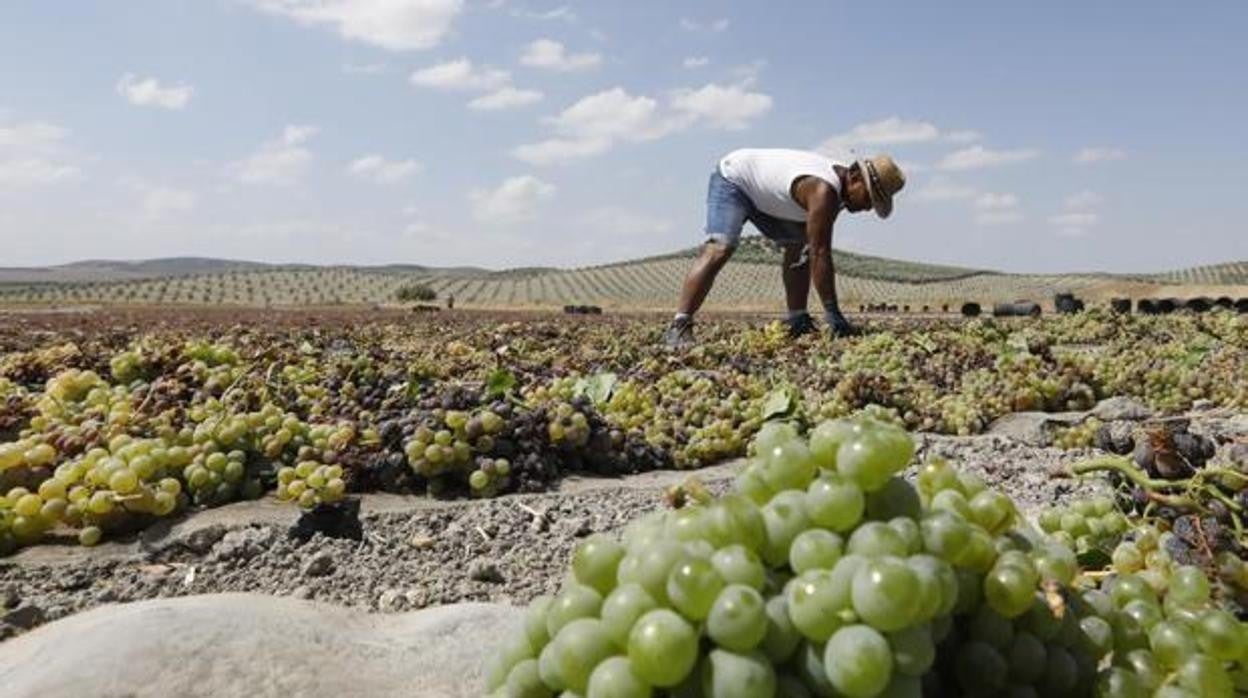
(792, 197)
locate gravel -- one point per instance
(414, 553)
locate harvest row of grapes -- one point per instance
(104, 430)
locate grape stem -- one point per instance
(1127, 469)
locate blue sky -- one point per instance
(1036, 136)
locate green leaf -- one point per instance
(780, 402)
(499, 383)
(598, 387)
(1018, 343)
(1194, 356)
(925, 343)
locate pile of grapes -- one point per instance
(823, 573)
(194, 415)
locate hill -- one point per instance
(751, 280)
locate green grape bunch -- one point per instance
(310, 484)
(824, 573)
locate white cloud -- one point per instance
(977, 156)
(505, 98)
(963, 136)
(696, 62)
(989, 201)
(1083, 200)
(32, 154)
(619, 220)
(1079, 214)
(730, 108)
(35, 171)
(998, 217)
(1074, 224)
(364, 68)
(381, 170)
(280, 162)
(563, 12)
(516, 199)
(1080, 218)
(746, 75)
(944, 189)
(996, 209)
(713, 26)
(31, 134)
(461, 74)
(1099, 154)
(549, 54)
(611, 114)
(148, 92)
(558, 150)
(397, 25)
(892, 130)
(157, 202)
(594, 123)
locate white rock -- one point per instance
(253, 645)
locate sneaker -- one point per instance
(800, 325)
(679, 334)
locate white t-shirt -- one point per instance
(766, 176)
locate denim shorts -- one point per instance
(728, 208)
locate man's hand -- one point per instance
(838, 326)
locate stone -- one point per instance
(1116, 437)
(201, 540)
(25, 617)
(485, 570)
(243, 544)
(9, 598)
(422, 542)
(1121, 408)
(257, 646)
(338, 520)
(319, 565)
(391, 600)
(576, 526)
(1032, 428)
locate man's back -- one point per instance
(766, 176)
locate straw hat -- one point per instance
(884, 179)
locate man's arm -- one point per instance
(822, 203)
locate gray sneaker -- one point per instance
(679, 335)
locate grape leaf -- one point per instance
(598, 387)
(925, 343)
(499, 383)
(778, 403)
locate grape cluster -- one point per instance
(1087, 524)
(447, 443)
(102, 489)
(1081, 435)
(823, 573)
(310, 484)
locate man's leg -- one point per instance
(726, 210)
(794, 268)
(796, 274)
(701, 276)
